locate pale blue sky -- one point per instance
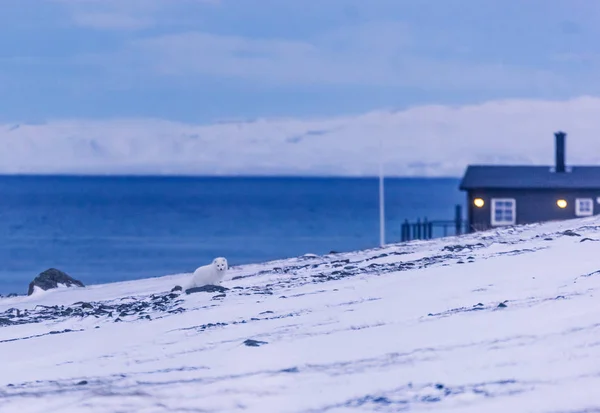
(202, 60)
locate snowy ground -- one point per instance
(503, 321)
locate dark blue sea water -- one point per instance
(104, 229)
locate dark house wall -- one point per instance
(533, 205)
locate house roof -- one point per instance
(529, 177)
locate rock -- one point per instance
(82, 383)
(83, 304)
(51, 278)
(207, 289)
(291, 370)
(502, 305)
(177, 288)
(570, 233)
(11, 295)
(254, 343)
(453, 248)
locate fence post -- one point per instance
(402, 232)
(458, 219)
(405, 230)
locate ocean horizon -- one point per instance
(108, 228)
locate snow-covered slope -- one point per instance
(502, 321)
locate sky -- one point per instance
(102, 64)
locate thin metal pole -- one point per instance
(381, 197)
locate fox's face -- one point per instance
(220, 263)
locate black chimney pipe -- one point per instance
(560, 151)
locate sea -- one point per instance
(107, 229)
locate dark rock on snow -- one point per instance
(207, 289)
(177, 288)
(83, 304)
(254, 343)
(51, 278)
(140, 308)
(570, 233)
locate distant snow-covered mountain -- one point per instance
(420, 141)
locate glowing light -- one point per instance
(479, 202)
(561, 203)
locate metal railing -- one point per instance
(426, 229)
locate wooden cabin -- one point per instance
(500, 195)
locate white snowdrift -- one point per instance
(413, 326)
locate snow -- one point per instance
(430, 140)
(409, 327)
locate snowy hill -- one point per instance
(432, 140)
(502, 321)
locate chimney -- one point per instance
(560, 151)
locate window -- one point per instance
(584, 207)
(504, 211)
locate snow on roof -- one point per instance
(530, 177)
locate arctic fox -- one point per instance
(211, 274)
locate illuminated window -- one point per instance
(561, 203)
(478, 202)
(584, 207)
(504, 211)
